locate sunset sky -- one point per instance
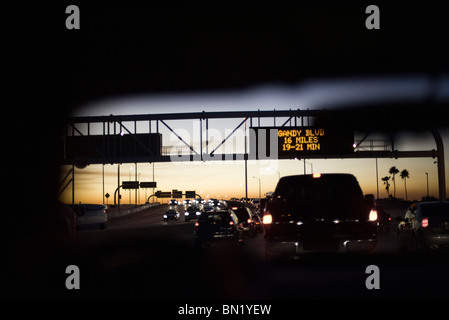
(226, 179)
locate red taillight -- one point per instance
(249, 220)
(234, 208)
(267, 219)
(197, 224)
(231, 223)
(425, 223)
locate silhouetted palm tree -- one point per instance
(394, 171)
(387, 184)
(404, 175)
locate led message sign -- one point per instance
(297, 142)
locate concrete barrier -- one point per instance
(117, 214)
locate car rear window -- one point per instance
(214, 217)
(242, 214)
(326, 188)
(435, 210)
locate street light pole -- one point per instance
(427, 177)
(260, 194)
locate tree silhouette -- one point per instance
(387, 184)
(404, 175)
(394, 171)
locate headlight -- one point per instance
(198, 213)
(186, 213)
(165, 216)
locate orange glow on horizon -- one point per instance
(225, 180)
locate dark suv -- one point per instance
(318, 213)
(219, 225)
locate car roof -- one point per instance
(432, 203)
(217, 211)
(321, 176)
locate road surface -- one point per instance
(140, 256)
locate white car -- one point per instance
(90, 216)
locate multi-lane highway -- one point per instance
(140, 256)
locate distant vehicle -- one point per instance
(187, 202)
(192, 213)
(425, 226)
(171, 215)
(217, 226)
(258, 222)
(319, 212)
(245, 216)
(214, 202)
(199, 201)
(208, 208)
(90, 216)
(173, 202)
(255, 203)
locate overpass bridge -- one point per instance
(291, 134)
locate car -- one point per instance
(245, 216)
(258, 222)
(187, 202)
(425, 226)
(214, 202)
(318, 212)
(218, 226)
(90, 216)
(199, 201)
(171, 215)
(255, 203)
(208, 208)
(173, 202)
(192, 213)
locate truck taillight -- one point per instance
(267, 219)
(373, 215)
(425, 223)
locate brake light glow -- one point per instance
(234, 208)
(267, 219)
(231, 223)
(425, 223)
(373, 215)
(316, 175)
(249, 220)
(197, 224)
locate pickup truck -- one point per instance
(319, 212)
